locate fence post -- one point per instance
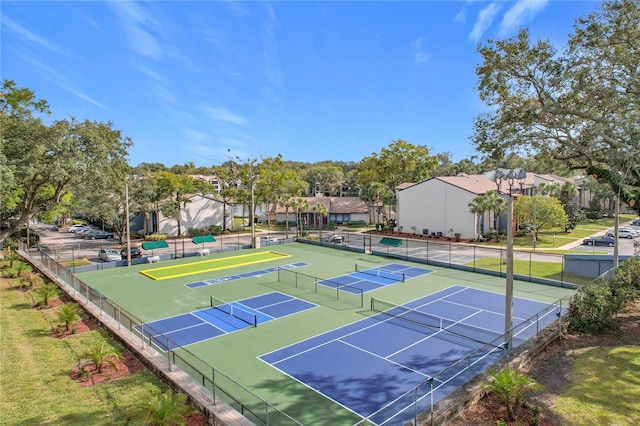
(213, 383)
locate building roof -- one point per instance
(476, 184)
(480, 184)
(553, 178)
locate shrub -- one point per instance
(194, 231)
(593, 309)
(155, 237)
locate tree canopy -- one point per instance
(40, 164)
(579, 106)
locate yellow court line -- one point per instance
(149, 272)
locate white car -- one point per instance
(622, 233)
(109, 255)
(74, 228)
(336, 239)
(268, 240)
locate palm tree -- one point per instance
(497, 204)
(286, 202)
(30, 279)
(11, 256)
(68, 314)
(320, 209)
(47, 292)
(478, 206)
(511, 385)
(299, 205)
(167, 409)
(101, 354)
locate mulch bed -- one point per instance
(552, 368)
(88, 375)
(125, 366)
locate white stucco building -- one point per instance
(201, 212)
(441, 204)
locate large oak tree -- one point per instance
(40, 163)
(579, 105)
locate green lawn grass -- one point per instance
(34, 372)
(605, 388)
(554, 238)
(71, 263)
(549, 270)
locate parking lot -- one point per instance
(63, 244)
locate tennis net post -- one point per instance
(234, 311)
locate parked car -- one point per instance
(74, 228)
(80, 232)
(636, 232)
(109, 255)
(600, 240)
(268, 239)
(97, 235)
(622, 233)
(636, 222)
(135, 252)
(336, 239)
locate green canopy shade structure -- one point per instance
(200, 239)
(391, 242)
(152, 245)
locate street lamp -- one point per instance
(508, 181)
(127, 224)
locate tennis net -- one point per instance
(234, 311)
(467, 332)
(378, 272)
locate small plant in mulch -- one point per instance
(67, 315)
(512, 386)
(45, 293)
(101, 362)
(167, 408)
(30, 279)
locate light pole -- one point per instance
(127, 224)
(513, 178)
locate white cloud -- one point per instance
(193, 134)
(138, 26)
(31, 39)
(484, 20)
(420, 56)
(271, 68)
(222, 114)
(461, 17)
(520, 12)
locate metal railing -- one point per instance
(250, 405)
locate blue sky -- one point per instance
(203, 81)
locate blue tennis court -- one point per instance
(249, 274)
(204, 324)
(378, 366)
(367, 278)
